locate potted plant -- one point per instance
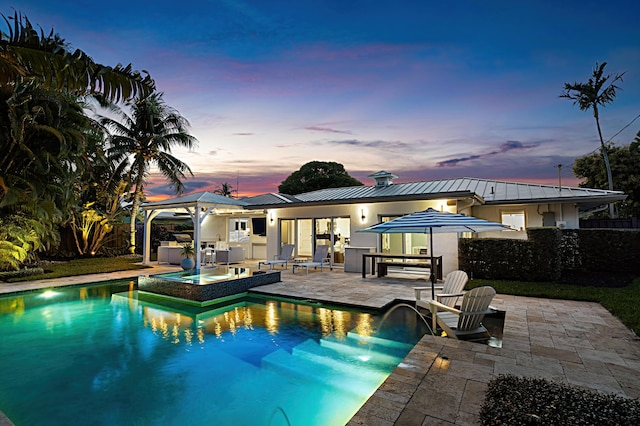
(188, 252)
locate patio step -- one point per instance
(336, 374)
(381, 342)
(366, 359)
(386, 351)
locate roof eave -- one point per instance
(380, 199)
(603, 199)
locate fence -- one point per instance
(629, 222)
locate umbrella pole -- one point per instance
(433, 276)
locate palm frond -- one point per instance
(28, 54)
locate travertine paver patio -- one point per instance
(443, 381)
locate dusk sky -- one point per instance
(423, 89)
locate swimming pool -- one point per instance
(97, 355)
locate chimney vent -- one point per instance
(383, 179)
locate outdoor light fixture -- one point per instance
(362, 214)
(270, 218)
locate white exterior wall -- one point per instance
(216, 228)
(567, 213)
(444, 244)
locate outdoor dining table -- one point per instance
(424, 261)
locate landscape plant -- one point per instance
(144, 138)
(512, 400)
(316, 175)
(624, 161)
(592, 95)
(188, 252)
(29, 55)
(48, 142)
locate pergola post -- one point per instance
(149, 215)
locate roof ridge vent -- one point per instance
(383, 179)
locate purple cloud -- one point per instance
(502, 148)
(379, 144)
(327, 129)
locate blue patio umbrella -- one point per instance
(432, 221)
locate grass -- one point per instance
(83, 267)
(621, 302)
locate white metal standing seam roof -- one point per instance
(490, 191)
(195, 198)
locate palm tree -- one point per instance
(144, 139)
(590, 95)
(26, 54)
(225, 189)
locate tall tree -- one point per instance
(317, 175)
(589, 96)
(225, 189)
(625, 161)
(145, 139)
(27, 54)
(43, 142)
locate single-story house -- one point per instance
(334, 216)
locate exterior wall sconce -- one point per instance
(362, 215)
(271, 219)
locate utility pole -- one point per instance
(559, 177)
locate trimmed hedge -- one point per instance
(512, 400)
(8, 275)
(550, 253)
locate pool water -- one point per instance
(207, 276)
(98, 355)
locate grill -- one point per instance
(182, 238)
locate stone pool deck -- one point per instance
(442, 381)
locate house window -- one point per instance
(239, 230)
(514, 220)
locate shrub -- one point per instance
(576, 256)
(527, 401)
(5, 276)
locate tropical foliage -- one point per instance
(225, 189)
(20, 237)
(592, 95)
(624, 165)
(317, 175)
(29, 55)
(57, 169)
(145, 139)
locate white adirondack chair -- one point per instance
(467, 320)
(451, 291)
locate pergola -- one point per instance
(198, 206)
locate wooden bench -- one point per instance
(383, 267)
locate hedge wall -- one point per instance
(549, 253)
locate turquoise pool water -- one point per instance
(98, 355)
(207, 276)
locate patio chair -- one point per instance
(282, 258)
(451, 291)
(467, 320)
(319, 259)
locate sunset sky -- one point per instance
(423, 89)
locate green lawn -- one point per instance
(622, 302)
(84, 266)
